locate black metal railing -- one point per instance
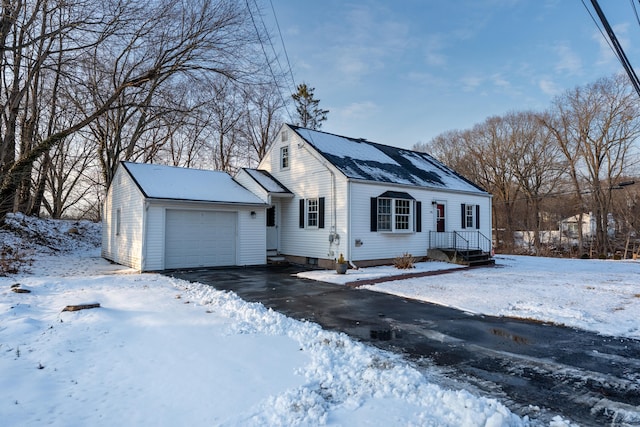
(459, 240)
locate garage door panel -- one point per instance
(200, 238)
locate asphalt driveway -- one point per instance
(588, 378)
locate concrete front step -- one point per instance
(276, 260)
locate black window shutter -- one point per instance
(463, 209)
(321, 212)
(418, 217)
(374, 214)
(301, 223)
(478, 217)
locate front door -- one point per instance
(440, 225)
(272, 228)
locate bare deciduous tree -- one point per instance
(595, 127)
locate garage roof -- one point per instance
(267, 181)
(174, 183)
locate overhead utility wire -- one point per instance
(606, 39)
(275, 80)
(286, 55)
(617, 47)
(635, 11)
(289, 71)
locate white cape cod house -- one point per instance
(314, 196)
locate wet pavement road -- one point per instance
(534, 368)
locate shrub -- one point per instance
(404, 262)
(12, 260)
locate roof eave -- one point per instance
(438, 189)
(209, 202)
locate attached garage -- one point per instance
(200, 238)
(161, 217)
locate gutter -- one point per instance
(414, 186)
(207, 202)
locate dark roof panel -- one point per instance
(369, 161)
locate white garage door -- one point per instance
(200, 239)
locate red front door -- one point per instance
(440, 228)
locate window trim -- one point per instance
(303, 220)
(393, 214)
(313, 222)
(388, 215)
(285, 158)
(470, 216)
(402, 215)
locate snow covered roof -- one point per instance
(174, 183)
(369, 161)
(266, 181)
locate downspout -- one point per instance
(334, 214)
(349, 220)
(143, 248)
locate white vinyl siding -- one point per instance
(348, 210)
(374, 245)
(141, 241)
(308, 178)
(122, 222)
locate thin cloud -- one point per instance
(471, 83)
(360, 110)
(427, 79)
(548, 87)
(606, 56)
(434, 48)
(364, 41)
(500, 81)
(569, 61)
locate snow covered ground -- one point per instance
(160, 351)
(596, 295)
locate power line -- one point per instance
(266, 56)
(286, 55)
(635, 11)
(617, 47)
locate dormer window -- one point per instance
(284, 157)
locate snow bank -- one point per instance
(161, 351)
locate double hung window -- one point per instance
(284, 157)
(395, 212)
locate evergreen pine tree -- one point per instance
(310, 115)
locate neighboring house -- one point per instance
(570, 226)
(329, 194)
(162, 217)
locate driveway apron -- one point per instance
(534, 368)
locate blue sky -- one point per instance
(404, 71)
